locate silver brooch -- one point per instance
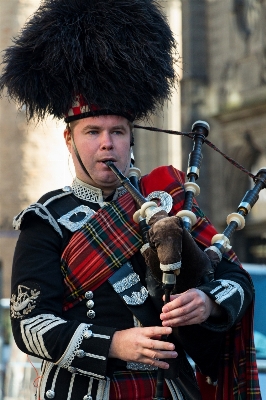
(165, 199)
(75, 225)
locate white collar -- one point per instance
(87, 192)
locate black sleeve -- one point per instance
(232, 289)
(38, 322)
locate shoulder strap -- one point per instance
(62, 206)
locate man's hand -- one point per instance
(188, 308)
(143, 345)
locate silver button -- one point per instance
(67, 189)
(87, 334)
(87, 397)
(89, 295)
(91, 314)
(225, 284)
(50, 394)
(80, 353)
(90, 303)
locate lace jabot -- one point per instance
(84, 191)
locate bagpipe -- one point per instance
(167, 242)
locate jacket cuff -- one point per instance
(230, 296)
(87, 352)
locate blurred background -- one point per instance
(222, 70)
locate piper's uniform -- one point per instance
(96, 58)
(67, 318)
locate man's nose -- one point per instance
(106, 141)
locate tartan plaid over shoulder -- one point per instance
(99, 248)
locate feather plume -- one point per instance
(118, 54)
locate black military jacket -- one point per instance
(74, 344)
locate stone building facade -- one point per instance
(33, 158)
(224, 67)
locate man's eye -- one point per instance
(118, 133)
(92, 132)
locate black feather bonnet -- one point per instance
(116, 54)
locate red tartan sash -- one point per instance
(136, 385)
(102, 245)
(238, 379)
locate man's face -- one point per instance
(98, 139)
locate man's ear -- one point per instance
(67, 136)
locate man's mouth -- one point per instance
(108, 160)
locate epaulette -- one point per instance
(40, 208)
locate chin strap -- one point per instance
(77, 154)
